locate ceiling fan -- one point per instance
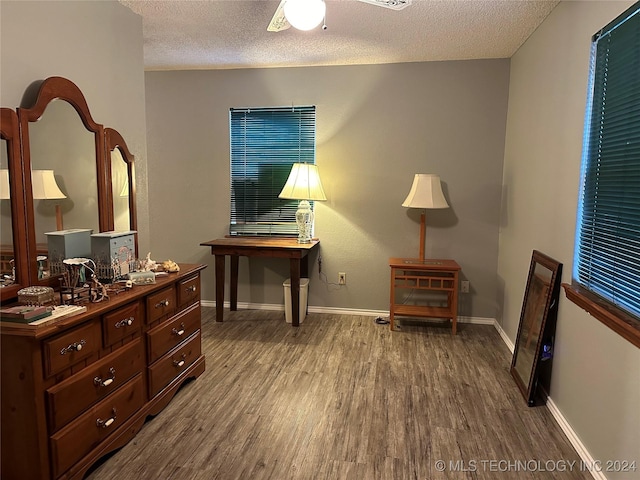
(308, 14)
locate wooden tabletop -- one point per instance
(260, 242)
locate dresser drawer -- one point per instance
(169, 334)
(78, 438)
(173, 364)
(74, 395)
(71, 347)
(121, 323)
(188, 291)
(161, 304)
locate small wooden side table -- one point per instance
(428, 276)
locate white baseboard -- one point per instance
(504, 336)
(555, 411)
(582, 451)
(337, 311)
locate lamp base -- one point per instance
(304, 219)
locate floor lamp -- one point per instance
(425, 193)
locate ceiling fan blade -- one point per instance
(279, 21)
(391, 4)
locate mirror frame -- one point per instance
(35, 101)
(9, 131)
(535, 389)
(14, 127)
(114, 141)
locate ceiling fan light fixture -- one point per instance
(304, 14)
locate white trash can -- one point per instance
(304, 288)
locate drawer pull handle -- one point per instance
(74, 347)
(127, 322)
(105, 423)
(179, 363)
(192, 288)
(163, 303)
(177, 332)
(105, 383)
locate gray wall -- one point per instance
(96, 45)
(596, 374)
(368, 120)
(376, 127)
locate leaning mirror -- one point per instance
(534, 342)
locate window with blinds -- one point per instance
(607, 253)
(265, 143)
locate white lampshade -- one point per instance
(303, 183)
(44, 185)
(304, 14)
(426, 192)
(5, 193)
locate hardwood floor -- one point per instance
(344, 398)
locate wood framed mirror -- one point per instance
(53, 131)
(123, 183)
(534, 341)
(13, 261)
(59, 136)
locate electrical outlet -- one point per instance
(342, 278)
(464, 286)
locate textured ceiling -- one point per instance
(217, 34)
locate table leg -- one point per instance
(304, 273)
(454, 305)
(233, 285)
(295, 291)
(219, 287)
(392, 299)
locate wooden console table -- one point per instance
(430, 275)
(236, 247)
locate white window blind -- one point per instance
(607, 254)
(265, 143)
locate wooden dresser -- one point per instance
(79, 388)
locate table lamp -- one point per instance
(426, 192)
(303, 184)
(45, 188)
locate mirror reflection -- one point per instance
(7, 263)
(63, 173)
(121, 191)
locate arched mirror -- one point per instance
(13, 264)
(123, 185)
(64, 168)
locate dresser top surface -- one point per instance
(95, 309)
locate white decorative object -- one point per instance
(148, 265)
(304, 184)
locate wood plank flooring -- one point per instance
(344, 398)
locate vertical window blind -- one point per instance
(608, 230)
(265, 143)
